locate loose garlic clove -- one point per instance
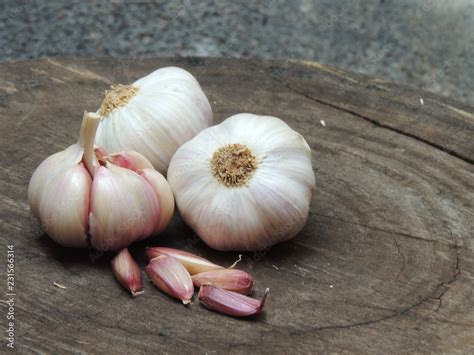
(127, 272)
(245, 184)
(230, 303)
(228, 279)
(194, 264)
(80, 192)
(170, 276)
(154, 115)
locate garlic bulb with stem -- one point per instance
(82, 196)
(154, 115)
(244, 184)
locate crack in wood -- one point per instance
(379, 124)
(404, 311)
(403, 234)
(397, 278)
(453, 279)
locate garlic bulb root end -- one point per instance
(117, 96)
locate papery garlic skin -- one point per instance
(230, 303)
(83, 199)
(127, 272)
(263, 202)
(154, 116)
(58, 194)
(194, 264)
(228, 279)
(170, 276)
(134, 215)
(164, 195)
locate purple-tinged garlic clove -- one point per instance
(193, 263)
(228, 279)
(170, 276)
(230, 303)
(134, 214)
(130, 160)
(163, 194)
(127, 272)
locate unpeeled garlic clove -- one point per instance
(228, 279)
(170, 276)
(230, 303)
(164, 194)
(193, 263)
(134, 214)
(59, 193)
(130, 160)
(127, 272)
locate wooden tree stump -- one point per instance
(384, 264)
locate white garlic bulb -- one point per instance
(154, 116)
(245, 184)
(84, 197)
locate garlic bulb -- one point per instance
(84, 197)
(244, 184)
(154, 116)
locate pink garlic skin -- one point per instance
(128, 159)
(127, 272)
(164, 194)
(113, 228)
(228, 279)
(170, 276)
(193, 263)
(58, 195)
(230, 303)
(80, 192)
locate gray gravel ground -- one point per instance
(425, 43)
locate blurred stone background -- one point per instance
(424, 43)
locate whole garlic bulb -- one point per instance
(84, 197)
(154, 116)
(244, 184)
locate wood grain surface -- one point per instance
(384, 264)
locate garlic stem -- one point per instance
(236, 262)
(90, 122)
